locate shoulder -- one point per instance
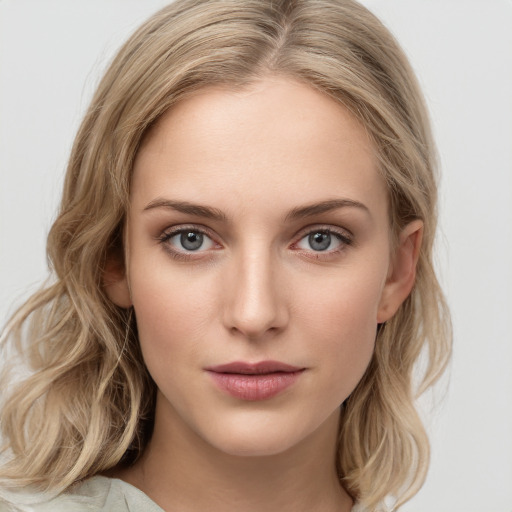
(96, 494)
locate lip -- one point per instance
(254, 381)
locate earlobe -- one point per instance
(115, 283)
(402, 272)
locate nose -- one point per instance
(255, 305)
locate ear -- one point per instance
(115, 282)
(402, 271)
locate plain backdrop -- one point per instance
(52, 53)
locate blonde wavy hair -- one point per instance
(88, 403)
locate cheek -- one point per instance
(342, 320)
(173, 313)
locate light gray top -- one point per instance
(96, 494)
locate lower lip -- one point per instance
(255, 387)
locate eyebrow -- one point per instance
(189, 208)
(216, 214)
(323, 207)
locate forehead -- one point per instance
(277, 137)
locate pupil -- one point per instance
(191, 241)
(320, 241)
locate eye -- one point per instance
(323, 240)
(188, 240)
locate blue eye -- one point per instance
(319, 241)
(189, 240)
(323, 240)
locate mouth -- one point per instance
(260, 368)
(254, 381)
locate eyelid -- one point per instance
(180, 228)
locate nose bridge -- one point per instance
(256, 304)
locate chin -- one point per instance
(256, 436)
(254, 444)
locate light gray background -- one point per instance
(51, 55)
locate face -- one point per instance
(258, 263)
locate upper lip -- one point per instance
(259, 368)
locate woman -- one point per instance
(243, 274)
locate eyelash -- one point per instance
(343, 236)
(178, 255)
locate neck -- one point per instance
(181, 471)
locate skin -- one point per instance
(256, 290)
